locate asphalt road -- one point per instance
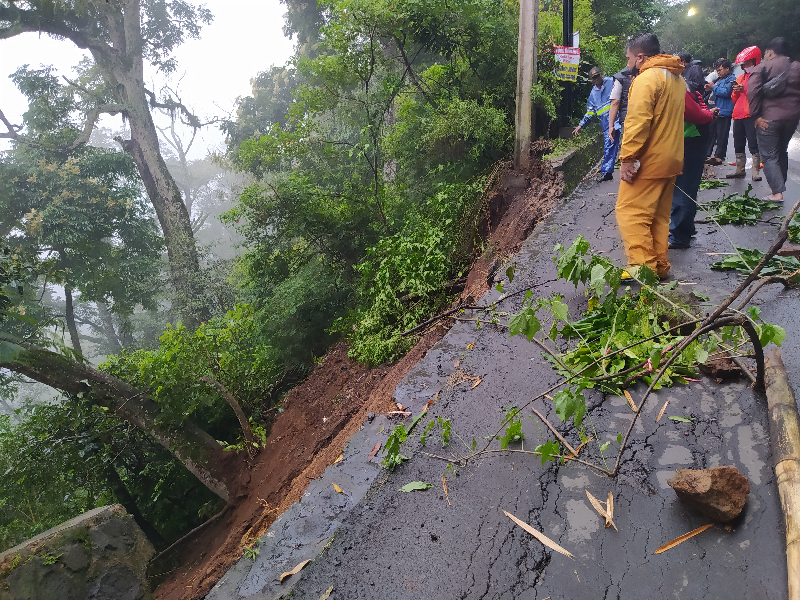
(399, 545)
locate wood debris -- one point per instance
(681, 539)
(610, 510)
(629, 399)
(375, 449)
(661, 413)
(446, 495)
(602, 510)
(539, 536)
(294, 571)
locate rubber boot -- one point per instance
(741, 161)
(755, 170)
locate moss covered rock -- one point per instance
(99, 555)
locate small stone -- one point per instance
(720, 493)
(370, 416)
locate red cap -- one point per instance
(749, 54)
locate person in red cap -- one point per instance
(744, 129)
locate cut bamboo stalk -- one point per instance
(785, 441)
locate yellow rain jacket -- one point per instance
(654, 123)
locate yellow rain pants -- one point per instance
(643, 209)
(654, 137)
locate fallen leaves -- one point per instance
(337, 488)
(682, 419)
(470, 346)
(681, 539)
(629, 399)
(327, 594)
(477, 382)
(339, 458)
(578, 449)
(661, 413)
(607, 511)
(539, 536)
(374, 452)
(446, 495)
(415, 486)
(296, 570)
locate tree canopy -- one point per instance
(723, 28)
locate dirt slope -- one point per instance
(322, 413)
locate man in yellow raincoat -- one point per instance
(651, 155)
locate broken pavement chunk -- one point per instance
(720, 493)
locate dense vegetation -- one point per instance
(367, 159)
(723, 28)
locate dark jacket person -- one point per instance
(774, 95)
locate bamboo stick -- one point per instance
(785, 442)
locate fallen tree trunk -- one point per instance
(785, 441)
(252, 446)
(197, 450)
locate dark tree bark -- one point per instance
(73, 329)
(118, 39)
(197, 450)
(108, 328)
(252, 448)
(124, 497)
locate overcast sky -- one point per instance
(245, 38)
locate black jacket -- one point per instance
(694, 77)
(624, 77)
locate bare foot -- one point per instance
(776, 197)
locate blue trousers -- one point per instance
(610, 150)
(681, 224)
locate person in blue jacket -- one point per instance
(598, 106)
(723, 88)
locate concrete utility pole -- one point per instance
(566, 98)
(526, 77)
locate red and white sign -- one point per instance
(567, 59)
(568, 55)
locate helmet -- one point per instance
(751, 53)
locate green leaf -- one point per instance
(570, 404)
(559, 310)
(700, 354)
(619, 439)
(655, 357)
(549, 450)
(682, 419)
(510, 272)
(415, 486)
(604, 446)
(513, 433)
(525, 322)
(499, 287)
(598, 279)
(770, 333)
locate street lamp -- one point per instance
(692, 12)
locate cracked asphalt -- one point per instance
(417, 545)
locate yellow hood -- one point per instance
(663, 61)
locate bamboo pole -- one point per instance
(785, 442)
